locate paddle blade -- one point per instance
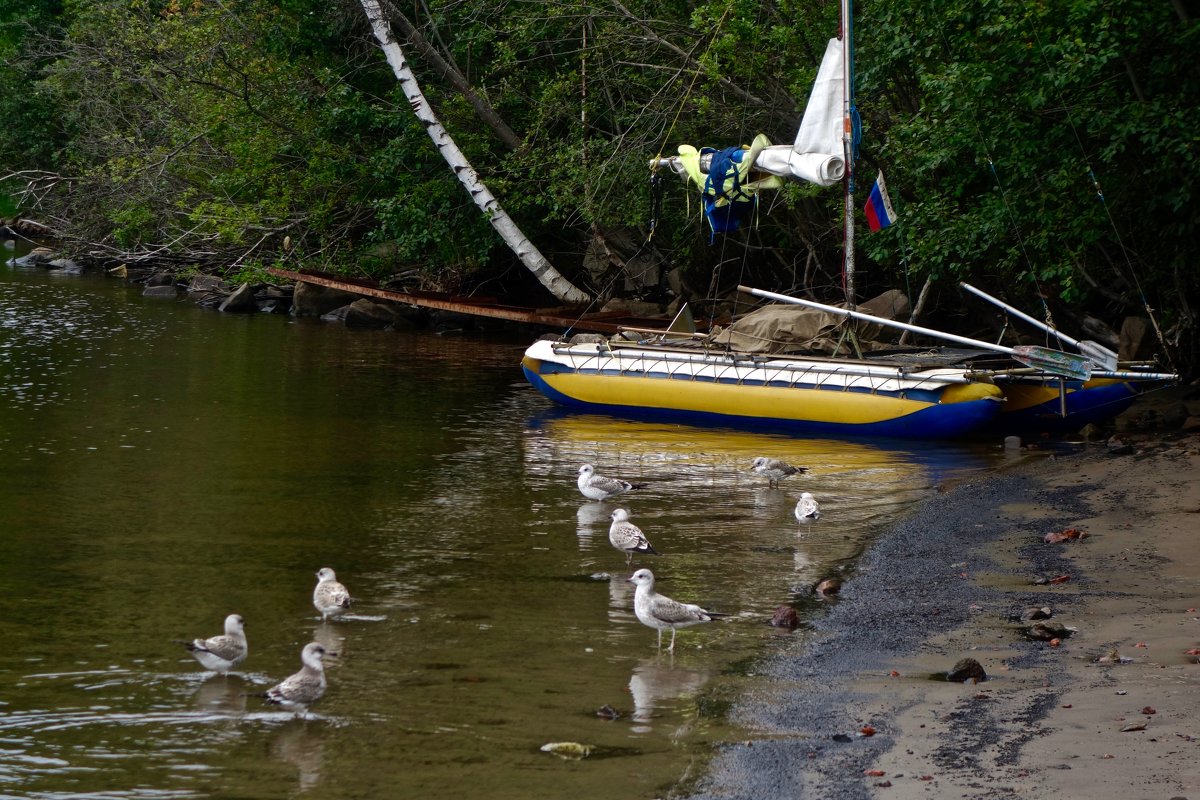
(1099, 355)
(1056, 362)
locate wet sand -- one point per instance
(1110, 711)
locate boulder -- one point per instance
(336, 315)
(451, 322)
(37, 257)
(1137, 341)
(240, 302)
(633, 308)
(202, 284)
(785, 617)
(275, 300)
(66, 265)
(1046, 631)
(364, 313)
(311, 300)
(160, 291)
(967, 669)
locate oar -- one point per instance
(1100, 355)
(1055, 362)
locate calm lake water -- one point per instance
(162, 466)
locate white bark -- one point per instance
(525, 250)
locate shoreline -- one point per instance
(950, 582)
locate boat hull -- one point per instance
(706, 393)
(1037, 408)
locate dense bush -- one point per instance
(1045, 149)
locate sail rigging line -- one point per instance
(691, 86)
(743, 134)
(1107, 211)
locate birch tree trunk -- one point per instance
(450, 73)
(525, 250)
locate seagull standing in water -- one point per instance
(627, 537)
(297, 692)
(775, 470)
(330, 597)
(598, 487)
(656, 611)
(221, 653)
(807, 509)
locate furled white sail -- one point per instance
(816, 156)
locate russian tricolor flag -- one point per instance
(880, 213)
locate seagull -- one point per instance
(221, 653)
(659, 612)
(330, 597)
(807, 509)
(774, 469)
(598, 487)
(627, 537)
(304, 688)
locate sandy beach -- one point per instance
(1108, 708)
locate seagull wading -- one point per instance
(300, 690)
(774, 469)
(329, 596)
(659, 612)
(221, 653)
(598, 487)
(627, 537)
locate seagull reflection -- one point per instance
(593, 519)
(332, 639)
(226, 697)
(620, 596)
(768, 503)
(805, 564)
(302, 746)
(655, 682)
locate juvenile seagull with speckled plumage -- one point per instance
(627, 537)
(775, 470)
(221, 653)
(807, 509)
(299, 691)
(598, 487)
(330, 597)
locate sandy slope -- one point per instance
(951, 582)
(1053, 719)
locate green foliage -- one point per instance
(996, 115)
(29, 134)
(221, 129)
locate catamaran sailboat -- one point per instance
(924, 393)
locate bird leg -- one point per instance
(671, 649)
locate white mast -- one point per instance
(848, 143)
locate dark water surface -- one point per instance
(162, 466)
